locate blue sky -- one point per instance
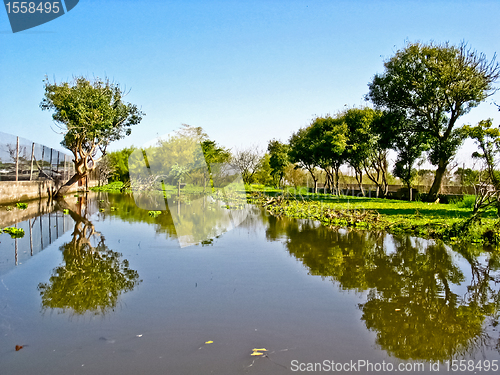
(245, 71)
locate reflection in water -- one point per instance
(173, 175)
(194, 221)
(411, 303)
(92, 277)
(41, 225)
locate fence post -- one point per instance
(31, 237)
(32, 157)
(17, 159)
(50, 163)
(43, 155)
(16, 244)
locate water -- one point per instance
(111, 291)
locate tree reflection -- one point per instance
(92, 277)
(411, 303)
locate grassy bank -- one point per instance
(429, 220)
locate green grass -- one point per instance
(430, 220)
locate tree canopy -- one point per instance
(435, 85)
(91, 115)
(278, 160)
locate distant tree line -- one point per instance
(417, 101)
(416, 104)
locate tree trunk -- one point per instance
(436, 185)
(359, 179)
(67, 186)
(315, 180)
(337, 168)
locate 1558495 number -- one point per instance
(33, 7)
(471, 365)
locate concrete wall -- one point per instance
(16, 215)
(12, 192)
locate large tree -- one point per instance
(91, 115)
(361, 143)
(302, 145)
(328, 140)
(434, 85)
(215, 156)
(395, 132)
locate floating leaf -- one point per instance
(19, 347)
(154, 213)
(14, 232)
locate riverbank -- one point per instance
(422, 219)
(428, 220)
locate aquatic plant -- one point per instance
(154, 213)
(430, 220)
(14, 232)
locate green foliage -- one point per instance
(360, 137)
(395, 131)
(14, 232)
(92, 277)
(434, 85)
(301, 152)
(467, 202)
(113, 187)
(154, 213)
(214, 153)
(119, 161)
(264, 175)
(278, 160)
(467, 176)
(22, 206)
(178, 172)
(443, 221)
(178, 157)
(91, 281)
(91, 115)
(488, 140)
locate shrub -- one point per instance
(466, 202)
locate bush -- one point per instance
(466, 202)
